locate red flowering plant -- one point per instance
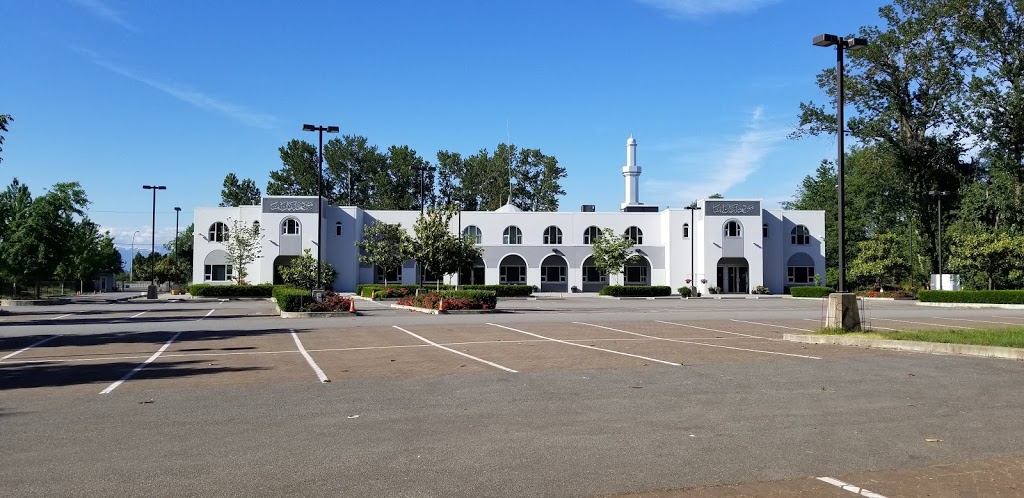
(331, 302)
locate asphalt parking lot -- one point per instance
(573, 397)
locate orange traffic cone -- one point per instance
(352, 306)
(440, 306)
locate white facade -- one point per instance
(738, 245)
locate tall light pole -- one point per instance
(131, 268)
(693, 235)
(841, 44)
(939, 194)
(422, 170)
(151, 292)
(177, 214)
(319, 191)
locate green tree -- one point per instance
(4, 119)
(386, 245)
(299, 171)
(995, 259)
(169, 269)
(302, 272)
(90, 254)
(352, 164)
(244, 245)
(481, 182)
(236, 193)
(182, 249)
(611, 252)
(144, 267)
(880, 261)
(436, 248)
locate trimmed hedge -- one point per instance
(636, 290)
(454, 299)
(366, 290)
(207, 290)
(809, 291)
(982, 296)
(291, 299)
(505, 290)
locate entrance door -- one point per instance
(733, 275)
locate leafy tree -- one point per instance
(480, 182)
(436, 248)
(90, 254)
(611, 252)
(352, 165)
(182, 249)
(997, 258)
(244, 245)
(169, 269)
(144, 267)
(716, 196)
(4, 119)
(880, 261)
(302, 272)
(235, 193)
(386, 245)
(299, 171)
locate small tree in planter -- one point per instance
(386, 245)
(611, 252)
(301, 272)
(436, 248)
(244, 245)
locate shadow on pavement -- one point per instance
(32, 375)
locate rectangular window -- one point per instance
(592, 274)
(217, 273)
(513, 274)
(801, 274)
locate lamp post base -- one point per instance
(151, 292)
(842, 312)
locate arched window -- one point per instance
(800, 235)
(290, 227)
(590, 235)
(512, 235)
(634, 234)
(552, 235)
(473, 234)
(764, 231)
(218, 232)
(337, 228)
(733, 229)
(686, 230)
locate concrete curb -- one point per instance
(974, 305)
(14, 303)
(445, 312)
(316, 314)
(917, 346)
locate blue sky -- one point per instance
(120, 93)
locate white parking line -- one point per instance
(140, 366)
(770, 325)
(30, 346)
(309, 359)
(206, 315)
(432, 343)
(63, 316)
(978, 321)
(701, 343)
(719, 331)
(850, 487)
(925, 323)
(1011, 317)
(588, 347)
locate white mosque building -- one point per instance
(733, 244)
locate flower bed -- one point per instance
(895, 294)
(453, 300)
(292, 299)
(400, 291)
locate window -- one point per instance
(218, 232)
(512, 235)
(686, 230)
(636, 274)
(552, 274)
(552, 235)
(513, 274)
(801, 274)
(337, 228)
(290, 227)
(590, 235)
(800, 236)
(217, 273)
(393, 276)
(634, 234)
(733, 229)
(593, 274)
(764, 231)
(473, 234)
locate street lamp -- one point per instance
(151, 292)
(177, 214)
(319, 191)
(693, 235)
(131, 267)
(423, 170)
(841, 44)
(938, 195)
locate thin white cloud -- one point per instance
(105, 12)
(704, 8)
(187, 94)
(717, 167)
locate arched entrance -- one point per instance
(637, 272)
(593, 278)
(472, 275)
(512, 270)
(278, 263)
(734, 275)
(554, 271)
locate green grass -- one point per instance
(1012, 337)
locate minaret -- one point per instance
(631, 172)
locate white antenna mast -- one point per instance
(508, 141)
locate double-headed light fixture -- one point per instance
(320, 192)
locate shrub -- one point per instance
(982, 296)
(207, 290)
(714, 290)
(290, 298)
(331, 303)
(453, 300)
(685, 291)
(898, 294)
(504, 290)
(760, 289)
(809, 291)
(367, 290)
(636, 290)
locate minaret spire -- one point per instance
(631, 175)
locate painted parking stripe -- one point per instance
(925, 323)
(63, 316)
(30, 346)
(719, 331)
(122, 320)
(309, 359)
(432, 343)
(701, 343)
(770, 325)
(588, 347)
(206, 315)
(850, 487)
(140, 366)
(978, 321)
